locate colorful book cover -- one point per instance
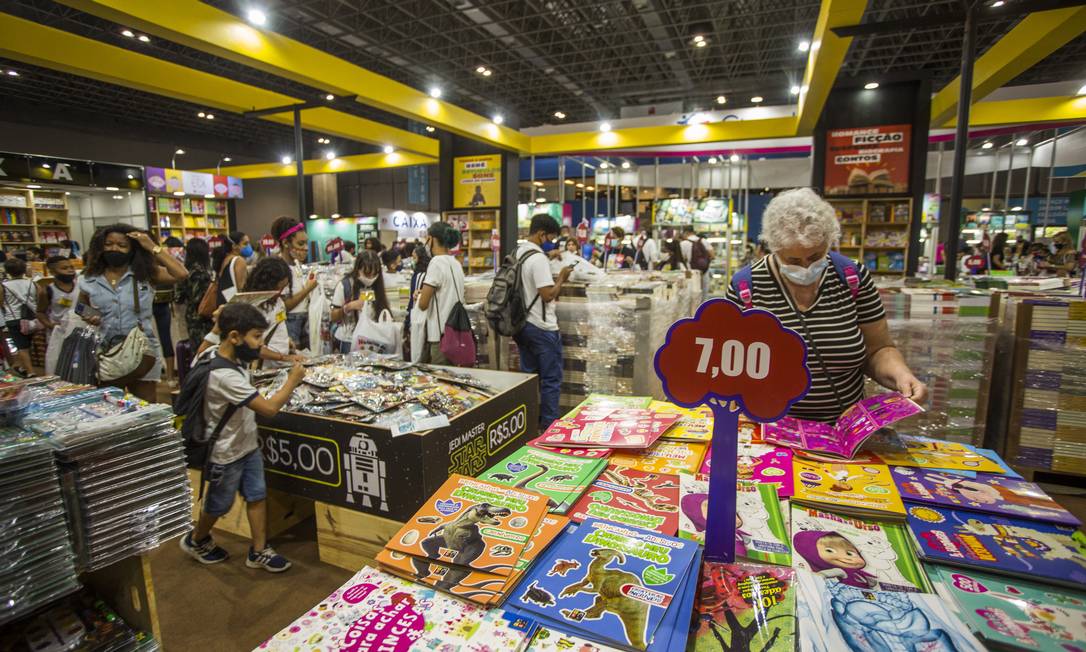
(1046, 551)
(933, 454)
(591, 453)
(472, 524)
(1009, 612)
(609, 428)
(663, 457)
(767, 463)
(991, 494)
(745, 607)
(613, 582)
(376, 611)
(864, 554)
(549, 639)
(761, 532)
(694, 424)
(611, 401)
(839, 617)
(1005, 468)
(630, 497)
(851, 430)
(561, 478)
(861, 489)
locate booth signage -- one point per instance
(68, 172)
(731, 360)
(868, 160)
(407, 225)
(477, 181)
(58, 170)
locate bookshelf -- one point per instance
(875, 232)
(475, 229)
(33, 218)
(187, 217)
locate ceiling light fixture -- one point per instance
(997, 4)
(537, 183)
(178, 193)
(580, 185)
(286, 160)
(210, 116)
(540, 200)
(1016, 208)
(144, 38)
(329, 97)
(987, 145)
(329, 155)
(804, 46)
(112, 188)
(604, 165)
(226, 159)
(1022, 142)
(435, 92)
(560, 115)
(497, 119)
(13, 73)
(430, 129)
(625, 165)
(127, 32)
(734, 158)
(1081, 91)
(701, 44)
(33, 186)
(179, 151)
(720, 99)
(589, 187)
(488, 72)
(131, 176)
(389, 149)
(569, 182)
(605, 127)
(122, 196)
(712, 160)
(698, 38)
(209, 196)
(757, 99)
(201, 114)
(256, 17)
(480, 69)
(45, 165)
(870, 86)
(794, 90)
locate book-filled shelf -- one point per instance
(33, 218)
(875, 231)
(476, 228)
(187, 217)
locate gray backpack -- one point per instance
(505, 301)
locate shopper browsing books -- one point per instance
(294, 250)
(20, 298)
(648, 252)
(442, 288)
(539, 342)
(55, 301)
(358, 296)
(828, 300)
(236, 463)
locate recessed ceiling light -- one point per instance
(804, 46)
(112, 188)
(329, 155)
(430, 129)
(997, 4)
(794, 90)
(625, 165)
(720, 99)
(179, 151)
(580, 185)
(870, 86)
(389, 149)
(701, 44)
(605, 127)
(734, 158)
(698, 38)
(569, 182)
(488, 72)
(201, 114)
(210, 116)
(435, 92)
(209, 196)
(122, 196)
(480, 69)
(1022, 142)
(560, 115)
(127, 32)
(257, 17)
(537, 183)
(13, 73)
(604, 165)
(1016, 208)
(131, 176)
(987, 145)
(329, 97)
(33, 186)
(757, 99)
(498, 119)
(712, 160)
(144, 38)
(67, 193)
(286, 160)
(45, 165)
(540, 200)
(589, 187)
(179, 193)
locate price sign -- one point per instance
(267, 242)
(582, 232)
(334, 245)
(731, 360)
(313, 459)
(214, 242)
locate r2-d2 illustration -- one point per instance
(365, 473)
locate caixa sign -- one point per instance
(406, 224)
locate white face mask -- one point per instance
(804, 275)
(367, 280)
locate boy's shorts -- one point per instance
(226, 480)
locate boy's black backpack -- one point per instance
(505, 308)
(189, 406)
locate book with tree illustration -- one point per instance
(663, 457)
(745, 607)
(852, 429)
(472, 524)
(1009, 613)
(761, 532)
(865, 490)
(991, 494)
(605, 427)
(861, 553)
(631, 497)
(561, 478)
(1048, 552)
(610, 583)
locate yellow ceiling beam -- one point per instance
(203, 27)
(638, 137)
(355, 163)
(56, 49)
(1032, 39)
(1029, 111)
(824, 59)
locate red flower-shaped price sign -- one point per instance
(724, 355)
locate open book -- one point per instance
(852, 429)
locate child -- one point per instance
(20, 299)
(55, 301)
(236, 463)
(831, 555)
(362, 289)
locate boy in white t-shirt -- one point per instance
(236, 462)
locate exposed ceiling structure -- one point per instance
(588, 59)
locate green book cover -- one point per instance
(561, 478)
(745, 607)
(760, 532)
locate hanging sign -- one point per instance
(582, 232)
(477, 181)
(868, 160)
(267, 242)
(334, 245)
(731, 360)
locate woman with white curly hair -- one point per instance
(829, 300)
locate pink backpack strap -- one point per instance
(846, 270)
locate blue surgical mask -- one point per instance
(804, 275)
(548, 246)
(247, 251)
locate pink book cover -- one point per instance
(591, 453)
(766, 463)
(608, 428)
(852, 429)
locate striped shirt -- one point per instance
(834, 323)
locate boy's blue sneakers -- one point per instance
(267, 559)
(205, 552)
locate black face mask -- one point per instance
(64, 278)
(116, 258)
(246, 353)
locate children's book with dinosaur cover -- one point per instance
(595, 427)
(745, 607)
(761, 532)
(631, 497)
(839, 617)
(767, 463)
(1009, 613)
(856, 489)
(376, 611)
(561, 478)
(472, 524)
(1047, 552)
(991, 494)
(611, 583)
(852, 429)
(663, 457)
(854, 551)
(694, 424)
